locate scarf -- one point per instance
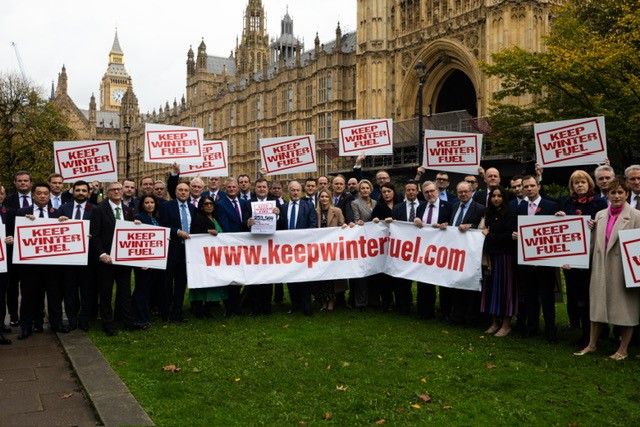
(614, 213)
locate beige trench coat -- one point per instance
(610, 300)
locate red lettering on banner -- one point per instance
(80, 154)
(172, 136)
(552, 249)
(51, 249)
(50, 231)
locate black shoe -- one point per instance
(60, 329)
(110, 332)
(14, 321)
(4, 341)
(84, 326)
(24, 335)
(179, 320)
(5, 330)
(38, 329)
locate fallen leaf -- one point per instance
(171, 368)
(481, 337)
(491, 366)
(189, 359)
(165, 326)
(328, 367)
(342, 387)
(440, 356)
(286, 326)
(380, 422)
(424, 380)
(345, 364)
(302, 423)
(327, 416)
(425, 397)
(402, 408)
(447, 407)
(415, 406)
(237, 379)
(66, 395)
(306, 364)
(196, 370)
(445, 332)
(121, 363)
(572, 424)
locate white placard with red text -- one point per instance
(366, 137)
(50, 241)
(447, 257)
(553, 241)
(169, 144)
(215, 161)
(86, 160)
(630, 249)
(140, 245)
(3, 249)
(291, 154)
(571, 142)
(263, 217)
(452, 151)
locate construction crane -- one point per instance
(15, 48)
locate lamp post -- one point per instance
(421, 74)
(127, 129)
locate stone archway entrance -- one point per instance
(457, 93)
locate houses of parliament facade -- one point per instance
(271, 87)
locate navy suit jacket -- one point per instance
(8, 215)
(228, 217)
(219, 195)
(306, 216)
(444, 211)
(102, 226)
(170, 217)
(29, 211)
(68, 210)
(399, 211)
(545, 207)
(472, 216)
(514, 203)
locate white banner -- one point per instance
(169, 144)
(291, 154)
(366, 137)
(140, 245)
(630, 248)
(449, 258)
(86, 160)
(49, 241)
(554, 241)
(452, 151)
(571, 142)
(3, 248)
(214, 163)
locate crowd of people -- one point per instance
(511, 295)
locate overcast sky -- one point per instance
(154, 35)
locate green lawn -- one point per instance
(361, 368)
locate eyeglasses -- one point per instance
(442, 179)
(207, 204)
(115, 189)
(471, 182)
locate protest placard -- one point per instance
(366, 137)
(86, 160)
(140, 245)
(571, 142)
(50, 241)
(553, 241)
(263, 216)
(214, 161)
(630, 248)
(452, 151)
(3, 249)
(290, 154)
(169, 144)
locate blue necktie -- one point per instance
(185, 218)
(292, 218)
(460, 215)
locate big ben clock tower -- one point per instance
(116, 81)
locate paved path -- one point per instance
(63, 380)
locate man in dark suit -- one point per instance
(232, 214)
(297, 215)
(7, 218)
(516, 190)
(538, 282)
(36, 280)
(244, 187)
(406, 211)
(491, 179)
(430, 214)
(341, 198)
(102, 227)
(465, 214)
(442, 182)
(129, 199)
(310, 191)
(214, 189)
(22, 198)
(176, 215)
(78, 279)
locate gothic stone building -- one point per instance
(269, 88)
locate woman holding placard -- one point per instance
(610, 300)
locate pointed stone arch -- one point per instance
(447, 62)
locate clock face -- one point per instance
(117, 95)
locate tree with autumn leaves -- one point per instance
(591, 68)
(28, 126)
